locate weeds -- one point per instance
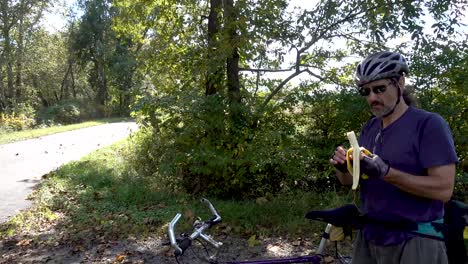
(101, 197)
(8, 136)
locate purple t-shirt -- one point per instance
(416, 141)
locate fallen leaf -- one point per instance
(78, 248)
(120, 258)
(252, 241)
(336, 234)
(24, 242)
(329, 259)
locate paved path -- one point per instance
(23, 163)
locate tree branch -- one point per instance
(266, 70)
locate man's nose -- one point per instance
(372, 97)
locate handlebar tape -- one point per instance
(186, 242)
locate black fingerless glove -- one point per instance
(374, 166)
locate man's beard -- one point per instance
(381, 111)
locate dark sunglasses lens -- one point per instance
(379, 89)
(364, 91)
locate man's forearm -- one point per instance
(344, 178)
(436, 186)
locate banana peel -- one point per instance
(355, 150)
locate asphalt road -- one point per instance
(23, 163)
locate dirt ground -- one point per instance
(43, 248)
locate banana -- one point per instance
(354, 169)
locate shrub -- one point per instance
(205, 144)
(18, 118)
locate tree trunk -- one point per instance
(19, 53)
(35, 85)
(102, 94)
(9, 67)
(64, 90)
(213, 72)
(73, 81)
(232, 61)
(2, 87)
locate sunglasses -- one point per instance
(365, 91)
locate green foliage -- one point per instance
(100, 198)
(190, 141)
(19, 118)
(440, 70)
(194, 142)
(278, 136)
(69, 112)
(64, 113)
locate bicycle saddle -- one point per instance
(347, 215)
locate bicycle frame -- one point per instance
(200, 226)
(315, 259)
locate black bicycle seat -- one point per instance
(347, 215)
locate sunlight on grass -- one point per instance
(9, 137)
(100, 195)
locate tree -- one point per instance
(16, 18)
(236, 50)
(93, 42)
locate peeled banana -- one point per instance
(354, 169)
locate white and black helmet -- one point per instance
(381, 65)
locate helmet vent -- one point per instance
(380, 65)
(372, 68)
(389, 67)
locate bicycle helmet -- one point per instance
(381, 65)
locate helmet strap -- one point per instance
(397, 85)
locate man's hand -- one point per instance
(374, 166)
(339, 159)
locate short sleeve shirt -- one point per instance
(418, 140)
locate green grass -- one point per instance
(9, 137)
(100, 196)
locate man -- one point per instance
(411, 172)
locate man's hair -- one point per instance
(409, 98)
(408, 95)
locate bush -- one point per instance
(204, 144)
(69, 112)
(21, 117)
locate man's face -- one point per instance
(381, 96)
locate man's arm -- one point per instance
(437, 185)
(339, 162)
(344, 178)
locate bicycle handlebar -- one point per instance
(199, 227)
(216, 217)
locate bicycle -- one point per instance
(340, 217)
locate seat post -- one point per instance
(323, 241)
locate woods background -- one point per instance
(235, 98)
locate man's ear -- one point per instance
(401, 83)
(402, 80)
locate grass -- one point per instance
(100, 196)
(9, 137)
